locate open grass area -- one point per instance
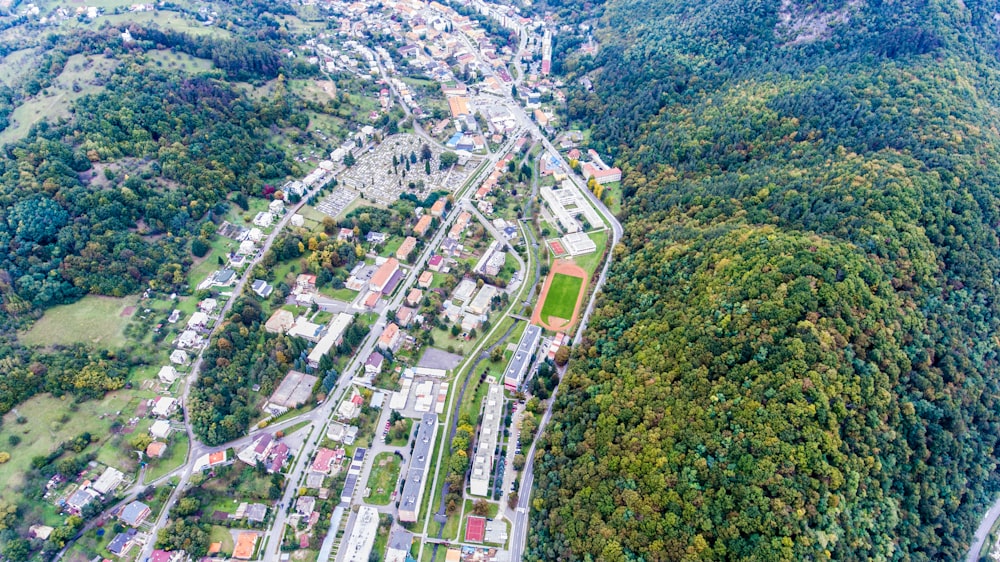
(49, 421)
(612, 196)
(452, 526)
(176, 454)
(592, 261)
(382, 481)
(562, 296)
(452, 344)
(82, 75)
(179, 61)
(401, 442)
(203, 267)
(222, 535)
(92, 319)
(15, 65)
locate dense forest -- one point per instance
(795, 355)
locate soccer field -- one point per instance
(561, 298)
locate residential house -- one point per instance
(109, 481)
(425, 280)
(305, 505)
(264, 219)
(208, 305)
(437, 209)
(305, 283)
(451, 248)
(390, 338)
(404, 250)
(258, 450)
(324, 460)
(405, 315)
(414, 297)
(246, 544)
(179, 357)
(261, 288)
(423, 225)
(160, 429)
(134, 514)
(164, 406)
(256, 512)
(276, 207)
(435, 262)
(373, 365)
(280, 322)
(122, 543)
(80, 499)
(224, 278)
(164, 556)
(350, 409)
(167, 374)
(156, 449)
(41, 532)
(280, 455)
(345, 234)
(376, 237)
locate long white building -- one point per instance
(482, 464)
(416, 475)
(359, 545)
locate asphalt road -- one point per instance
(983, 532)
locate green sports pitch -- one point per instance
(562, 296)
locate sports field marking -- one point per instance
(563, 294)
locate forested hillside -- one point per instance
(795, 357)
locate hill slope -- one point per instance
(795, 356)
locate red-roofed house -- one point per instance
(324, 460)
(423, 225)
(390, 338)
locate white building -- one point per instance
(482, 463)
(362, 539)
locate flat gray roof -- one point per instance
(522, 356)
(419, 460)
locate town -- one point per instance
(429, 281)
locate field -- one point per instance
(563, 294)
(223, 535)
(592, 261)
(82, 75)
(92, 319)
(385, 474)
(179, 61)
(44, 429)
(176, 454)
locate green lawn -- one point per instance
(590, 262)
(385, 474)
(179, 61)
(86, 72)
(92, 319)
(408, 423)
(176, 454)
(222, 534)
(44, 429)
(444, 340)
(562, 296)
